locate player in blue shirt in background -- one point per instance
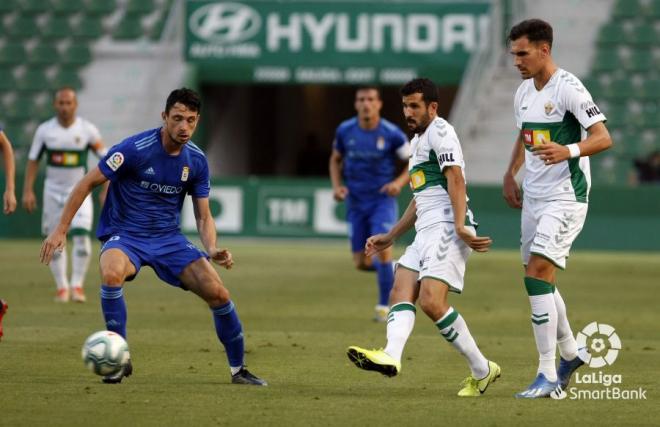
(150, 174)
(367, 171)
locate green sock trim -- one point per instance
(78, 232)
(538, 287)
(442, 324)
(402, 306)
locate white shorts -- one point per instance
(54, 203)
(438, 253)
(549, 228)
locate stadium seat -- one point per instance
(34, 79)
(100, 7)
(156, 30)
(7, 80)
(653, 10)
(88, 28)
(642, 35)
(620, 90)
(20, 109)
(624, 9)
(23, 27)
(65, 76)
(611, 34)
(12, 54)
(76, 54)
(606, 60)
(56, 28)
(640, 61)
(129, 28)
(595, 87)
(67, 7)
(650, 90)
(43, 54)
(7, 6)
(34, 7)
(140, 7)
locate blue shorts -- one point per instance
(168, 256)
(367, 219)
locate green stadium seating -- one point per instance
(140, 7)
(8, 6)
(100, 7)
(33, 80)
(12, 54)
(77, 54)
(627, 9)
(642, 34)
(156, 31)
(653, 10)
(650, 90)
(22, 108)
(606, 60)
(89, 28)
(66, 77)
(129, 28)
(611, 34)
(640, 61)
(56, 28)
(23, 27)
(67, 7)
(43, 54)
(7, 80)
(620, 90)
(35, 7)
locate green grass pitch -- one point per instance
(302, 304)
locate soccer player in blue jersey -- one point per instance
(367, 171)
(150, 174)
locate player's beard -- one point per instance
(420, 126)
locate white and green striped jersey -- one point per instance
(560, 112)
(66, 151)
(432, 151)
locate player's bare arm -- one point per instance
(207, 233)
(29, 198)
(393, 188)
(381, 242)
(511, 189)
(9, 196)
(339, 191)
(57, 239)
(598, 140)
(457, 195)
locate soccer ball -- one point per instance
(105, 352)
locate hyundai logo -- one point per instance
(225, 23)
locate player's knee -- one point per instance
(112, 277)
(433, 307)
(217, 296)
(539, 269)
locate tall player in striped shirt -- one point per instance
(560, 127)
(65, 141)
(151, 173)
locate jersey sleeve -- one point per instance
(444, 143)
(516, 107)
(38, 145)
(338, 142)
(95, 142)
(201, 185)
(401, 145)
(119, 160)
(578, 101)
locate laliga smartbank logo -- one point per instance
(598, 346)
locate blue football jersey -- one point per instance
(369, 157)
(148, 185)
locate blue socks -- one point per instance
(114, 309)
(230, 333)
(385, 274)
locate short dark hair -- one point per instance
(536, 30)
(368, 87)
(421, 85)
(185, 96)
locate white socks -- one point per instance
(400, 323)
(58, 268)
(453, 328)
(81, 254)
(565, 340)
(544, 324)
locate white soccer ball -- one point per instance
(105, 352)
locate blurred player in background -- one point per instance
(151, 173)
(434, 264)
(65, 140)
(9, 196)
(554, 113)
(368, 152)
